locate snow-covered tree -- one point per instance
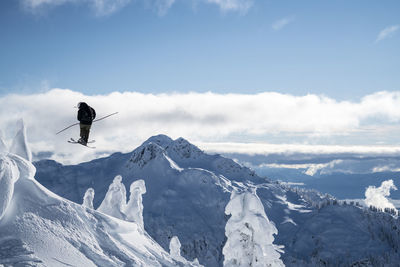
(134, 208)
(249, 233)
(175, 252)
(175, 248)
(115, 199)
(378, 196)
(88, 198)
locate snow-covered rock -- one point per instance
(250, 234)
(134, 207)
(88, 198)
(115, 199)
(3, 146)
(19, 144)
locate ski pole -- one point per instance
(102, 118)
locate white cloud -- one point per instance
(387, 32)
(163, 6)
(377, 196)
(280, 24)
(107, 7)
(310, 168)
(385, 168)
(100, 7)
(200, 117)
(290, 149)
(232, 5)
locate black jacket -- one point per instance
(86, 114)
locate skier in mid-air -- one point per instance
(86, 115)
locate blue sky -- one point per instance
(341, 49)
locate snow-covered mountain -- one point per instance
(40, 228)
(188, 191)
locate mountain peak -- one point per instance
(179, 147)
(146, 152)
(184, 149)
(162, 140)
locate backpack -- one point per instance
(87, 115)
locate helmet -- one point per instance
(81, 104)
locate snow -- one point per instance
(115, 200)
(9, 174)
(377, 196)
(175, 251)
(189, 200)
(114, 203)
(88, 198)
(175, 248)
(19, 145)
(250, 234)
(3, 146)
(39, 228)
(134, 207)
(173, 164)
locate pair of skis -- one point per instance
(73, 141)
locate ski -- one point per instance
(76, 141)
(73, 141)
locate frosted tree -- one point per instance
(19, 144)
(175, 252)
(175, 249)
(378, 196)
(134, 208)
(115, 200)
(88, 198)
(249, 233)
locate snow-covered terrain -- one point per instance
(187, 193)
(40, 228)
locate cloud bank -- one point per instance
(377, 196)
(309, 168)
(208, 119)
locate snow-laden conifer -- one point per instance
(249, 233)
(88, 198)
(134, 208)
(175, 248)
(115, 199)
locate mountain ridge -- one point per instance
(188, 190)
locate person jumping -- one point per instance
(86, 115)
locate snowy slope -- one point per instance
(39, 228)
(188, 191)
(180, 191)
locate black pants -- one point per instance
(85, 130)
